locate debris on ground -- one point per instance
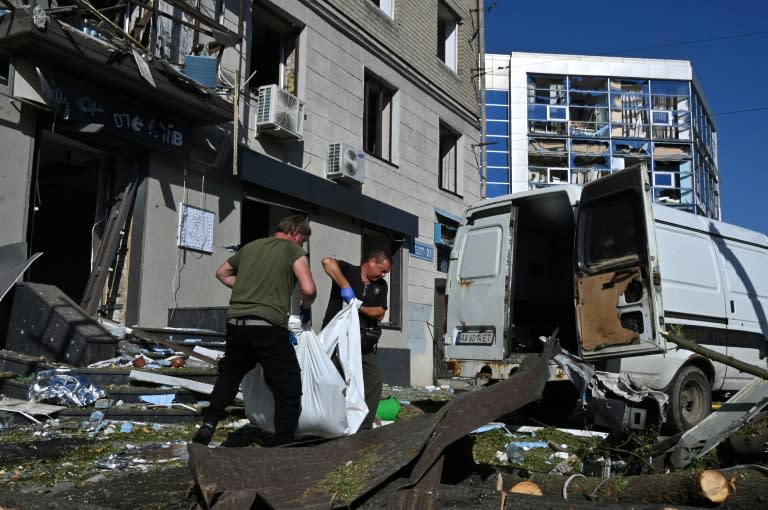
(124, 422)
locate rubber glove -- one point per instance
(306, 315)
(347, 294)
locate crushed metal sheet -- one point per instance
(13, 263)
(467, 412)
(28, 408)
(297, 477)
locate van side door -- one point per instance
(745, 267)
(618, 285)
(479, 283)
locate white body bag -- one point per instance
(331, 406)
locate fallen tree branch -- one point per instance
(716, 356)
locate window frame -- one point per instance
(283, 37)
(449, 161)
(385, 6)
(448, 36)
(378, 117)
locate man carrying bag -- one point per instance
(366, 283)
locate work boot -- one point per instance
(204, 434)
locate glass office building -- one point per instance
(553, 119)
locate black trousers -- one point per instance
(373, 387)
(246, 347)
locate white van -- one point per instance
(610, 270)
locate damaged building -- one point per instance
(144, 143)
(554, 119)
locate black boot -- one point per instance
(204, 434)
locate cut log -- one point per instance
(526, 488)
(681, 488)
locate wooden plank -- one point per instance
(109, 245)
(169, 380)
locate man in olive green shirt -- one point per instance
(262, 276)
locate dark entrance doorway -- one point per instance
(65, 212)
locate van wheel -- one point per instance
(690, 399)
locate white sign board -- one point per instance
(195, 228)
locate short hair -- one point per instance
(380, 256)
(294, 224)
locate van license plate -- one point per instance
(475, 338)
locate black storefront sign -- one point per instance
(76, 102)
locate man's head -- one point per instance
(294, 228)
(376, 265)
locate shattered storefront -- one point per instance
(90, 125)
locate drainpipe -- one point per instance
(481, 77)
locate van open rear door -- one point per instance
(479, 282)
(618, 297)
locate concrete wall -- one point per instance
(17, 149)
(175, 278)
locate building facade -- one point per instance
(554, 119)
(363, 115)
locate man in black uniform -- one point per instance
(367, 284)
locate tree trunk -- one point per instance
(683, 488)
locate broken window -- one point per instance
(273, 51)
(447, 36)
(626, 153)
(547, 109)
(629, 93)
(545, 89)
(588, 106)
(590, 155)
(670, 109)
(541, 175)
(449, 174)
(547, 146)
(377, 118)
(547, 161)
(547, 119)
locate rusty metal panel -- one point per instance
(598, 309)
(473, 409)
(293, 477)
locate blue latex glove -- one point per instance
(347, 294)
(306, 315)
(292, 338)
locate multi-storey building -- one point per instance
(143, 143)
(567, 118)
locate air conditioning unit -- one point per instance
(280, 113)
(344, 163)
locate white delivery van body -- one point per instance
(610, 270)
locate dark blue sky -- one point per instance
(726, 41)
